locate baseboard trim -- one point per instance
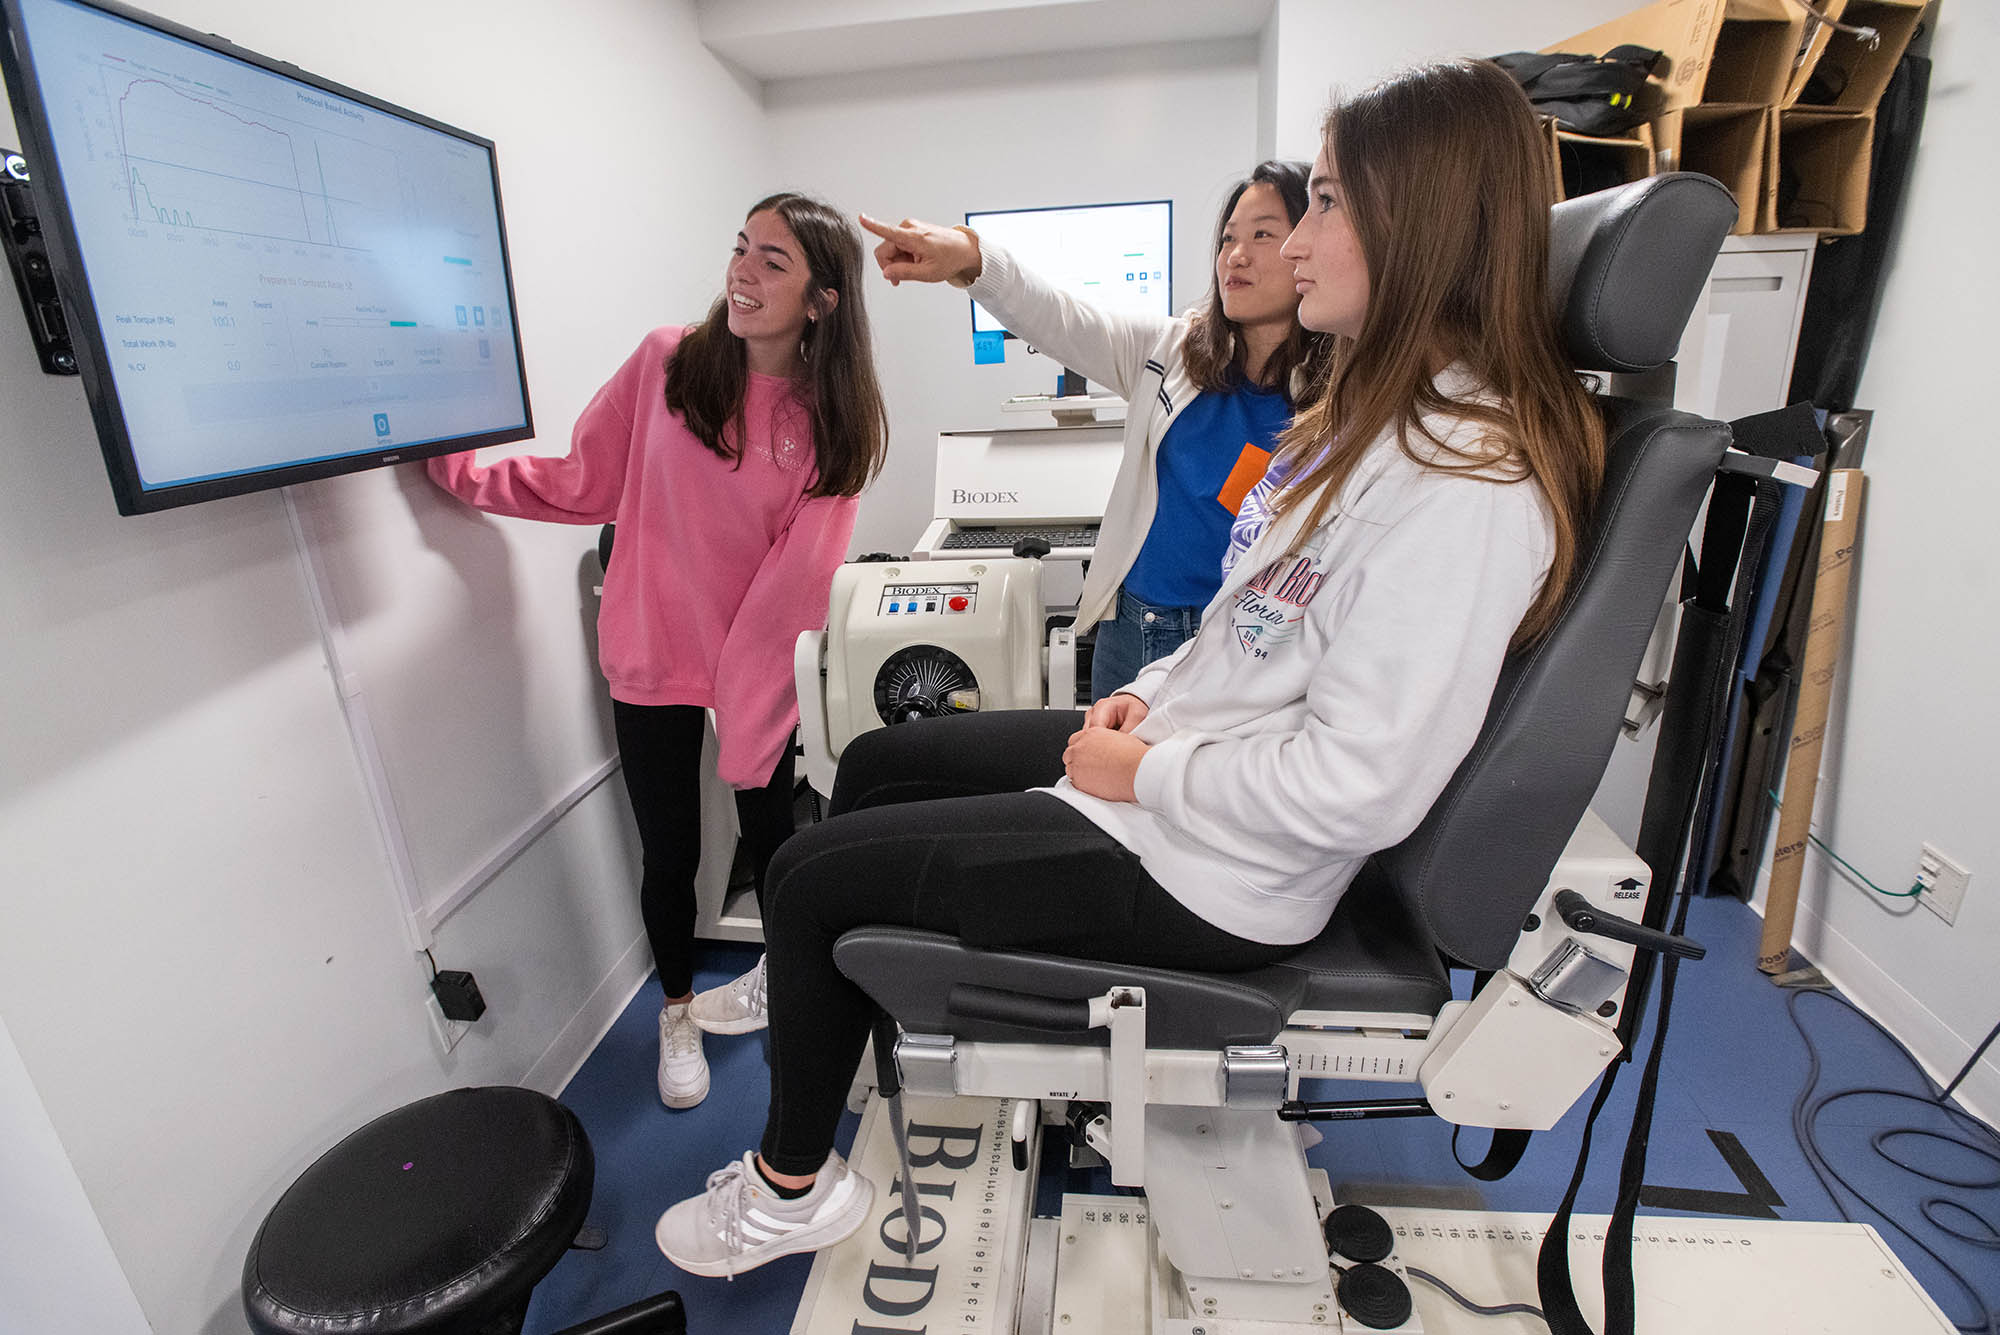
(1930, 1040)
(563, 1057)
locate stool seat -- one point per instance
(437, 1217)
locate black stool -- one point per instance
(438, 1218)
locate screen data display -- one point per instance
(280, 275)
(1118, 256)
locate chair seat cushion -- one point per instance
(438, 1216)
(1372, 956)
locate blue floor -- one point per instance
(1734, 1066)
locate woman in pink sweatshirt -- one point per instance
(730, 454)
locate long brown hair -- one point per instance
(1446, 180)
(1213, 353)
(709, 372)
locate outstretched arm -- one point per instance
(581, 487)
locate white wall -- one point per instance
(56, 1266)
(205, 968)
(1916, 729)
(1151, 122)
(1325, 47)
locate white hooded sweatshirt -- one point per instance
(1333, 690)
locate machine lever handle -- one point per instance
(1580, 915)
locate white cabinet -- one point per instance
(1736, 356)
(1735, 360)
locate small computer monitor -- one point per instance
(1117, 256)
(268, 277)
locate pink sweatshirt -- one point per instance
(718, 566)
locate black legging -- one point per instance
(930, 830)
(659, 749)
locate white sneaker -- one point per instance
(738, 1223)
(734, 1008)
(683, 1069)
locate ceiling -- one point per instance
(794, 39)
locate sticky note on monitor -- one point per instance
(988, 347)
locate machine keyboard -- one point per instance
(1056, 535)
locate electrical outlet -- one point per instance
(1943, 883)
(447, 1032)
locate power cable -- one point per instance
(1854, 871)
(1480, 1309)
(1980, 1140)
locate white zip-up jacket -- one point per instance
(1136, 356)
(1330, 693)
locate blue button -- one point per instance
(459, 311)
(381, 424)
(895, 607)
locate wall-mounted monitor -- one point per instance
(268, 277)
(1118, 256)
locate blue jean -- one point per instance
(1136, 635)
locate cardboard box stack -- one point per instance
(1763, 95)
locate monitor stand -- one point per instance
(1072, 406)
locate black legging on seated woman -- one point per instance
(930, 829)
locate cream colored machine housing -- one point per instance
(917, 639)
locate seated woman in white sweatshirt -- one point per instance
(1420, 519)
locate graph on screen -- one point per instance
(190, 160)
(280, 274)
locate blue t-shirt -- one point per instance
(1212, 455)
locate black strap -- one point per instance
(1552, 1278)
(1507, 1146)
(1501, 1156)
(1740, 512)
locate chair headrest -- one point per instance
(1627, 265)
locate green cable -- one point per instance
(1911, 893)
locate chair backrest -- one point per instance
(1627, 267)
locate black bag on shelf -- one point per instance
(1595, 95)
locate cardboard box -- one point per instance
(1821, 177)
(1737, 145)
(1684, 30)
(1754, 50)
(1846, 68)
(1585, 163)
(1811, 46)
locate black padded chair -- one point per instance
(1628, 266)
(437, 1218)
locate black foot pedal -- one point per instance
(1374, 1296)
(1359, 1234)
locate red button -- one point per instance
(956, 602)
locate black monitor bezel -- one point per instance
(970, 214)
(133, 497)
